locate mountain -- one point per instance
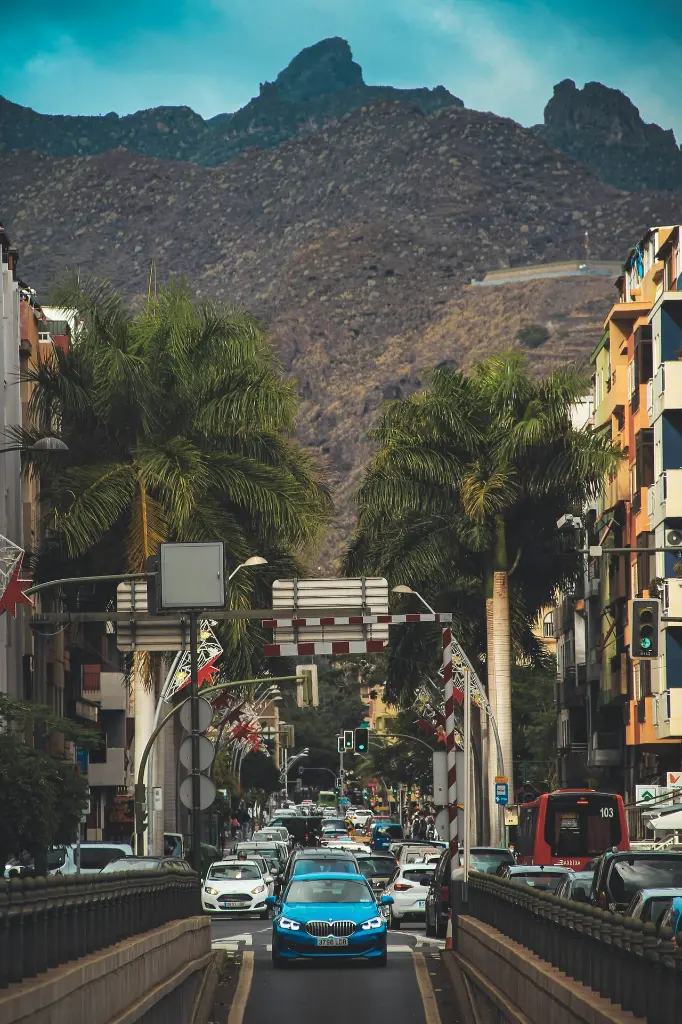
(356, 243)
(322, 83)
(603, 129)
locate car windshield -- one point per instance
(394, 831)
(655, 908)
(233, 871)
(416, 874)
(311, 867)
(628, 876)
(371, 866)
(97, 858)
(489, 861)
(132, 864)
(545, 880)
(329, 890)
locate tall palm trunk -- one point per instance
(501, 643)
(489, 748)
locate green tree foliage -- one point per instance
(41, 797)
(180, 427)
(534, 725)
(469, 478)
(340, 708)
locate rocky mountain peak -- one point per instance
(319, 70)
(603, 128)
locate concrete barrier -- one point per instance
(498, 981)
(164, 976)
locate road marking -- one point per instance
(241, 996)
(232, 941)
(431, 1014)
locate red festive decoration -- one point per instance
(14, 592)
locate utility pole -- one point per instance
(196, 771)
(286, 774)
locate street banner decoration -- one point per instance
(209, 651)
(12, 587)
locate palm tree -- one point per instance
(180, 427)
(463, 496)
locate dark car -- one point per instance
(145, 864)
(304, 829)
(620, 874)
(377, 868)
(437, 901)
(575, 886)
(316, 861)
(543, 877)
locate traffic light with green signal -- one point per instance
(644, 619)
(362, 740)
(348, 739)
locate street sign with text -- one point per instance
(501, 793)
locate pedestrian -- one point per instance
(415, 827)
(423, 828)
(235, 826)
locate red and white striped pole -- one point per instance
(450, 746)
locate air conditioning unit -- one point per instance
(673, 538)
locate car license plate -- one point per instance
(235, 903)
(421, 904)
(332, 942)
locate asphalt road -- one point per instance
(412, 990)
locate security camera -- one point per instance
(569, 522)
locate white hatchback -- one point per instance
(235, 887)
(409, 888)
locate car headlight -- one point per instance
(374, 922)
(209, 891)
(288, 924)
(259, 888)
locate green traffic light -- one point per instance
(645, 643)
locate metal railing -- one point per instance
(620, 958)
(45, 922)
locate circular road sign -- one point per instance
(205, 715)
(207, 792)
(206, 753)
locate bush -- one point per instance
(532, 335)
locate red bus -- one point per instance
(570, 827)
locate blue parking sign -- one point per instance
(502, 793)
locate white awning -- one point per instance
(667, 822)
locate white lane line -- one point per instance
(431, 1014)
(232, 941)
(241, 996)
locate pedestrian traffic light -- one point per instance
(644, 619)
(361, 740)
(340, 744)
(348, 740)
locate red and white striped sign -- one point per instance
(322, 647)
(358, 620)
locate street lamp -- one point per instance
(43, 444)
(402, 588)
(253, 560)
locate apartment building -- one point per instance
(620, 722)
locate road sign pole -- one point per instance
(196, 781)
(467, 782)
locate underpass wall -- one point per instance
(497, 981)
(165, 976)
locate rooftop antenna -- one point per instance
(587, 246)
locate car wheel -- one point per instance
(264, 915)
(441, 926)
(277, 962)
(394, 922)
(382, 960)
(429, 930)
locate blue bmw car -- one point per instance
(328, 915)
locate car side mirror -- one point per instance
(386, 900)
(270, 901)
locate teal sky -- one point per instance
(93, 56)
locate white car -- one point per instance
(409, 888)
(346, 844)
(235, 887)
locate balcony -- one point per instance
(672, 599)
(664, 392)
(618, 486)
(113, 692)
(604, 751)
(111, 772)
(668, 714)
(667, 503)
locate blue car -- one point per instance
(328, 915)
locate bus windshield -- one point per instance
(326, 798)
(581, 825)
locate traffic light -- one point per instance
(348, 740)
(340, 745)
(362, 740)
(644, 618)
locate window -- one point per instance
(646, 563)
(644, 457)
(548, 625)
(329, 890)
(91, 677)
